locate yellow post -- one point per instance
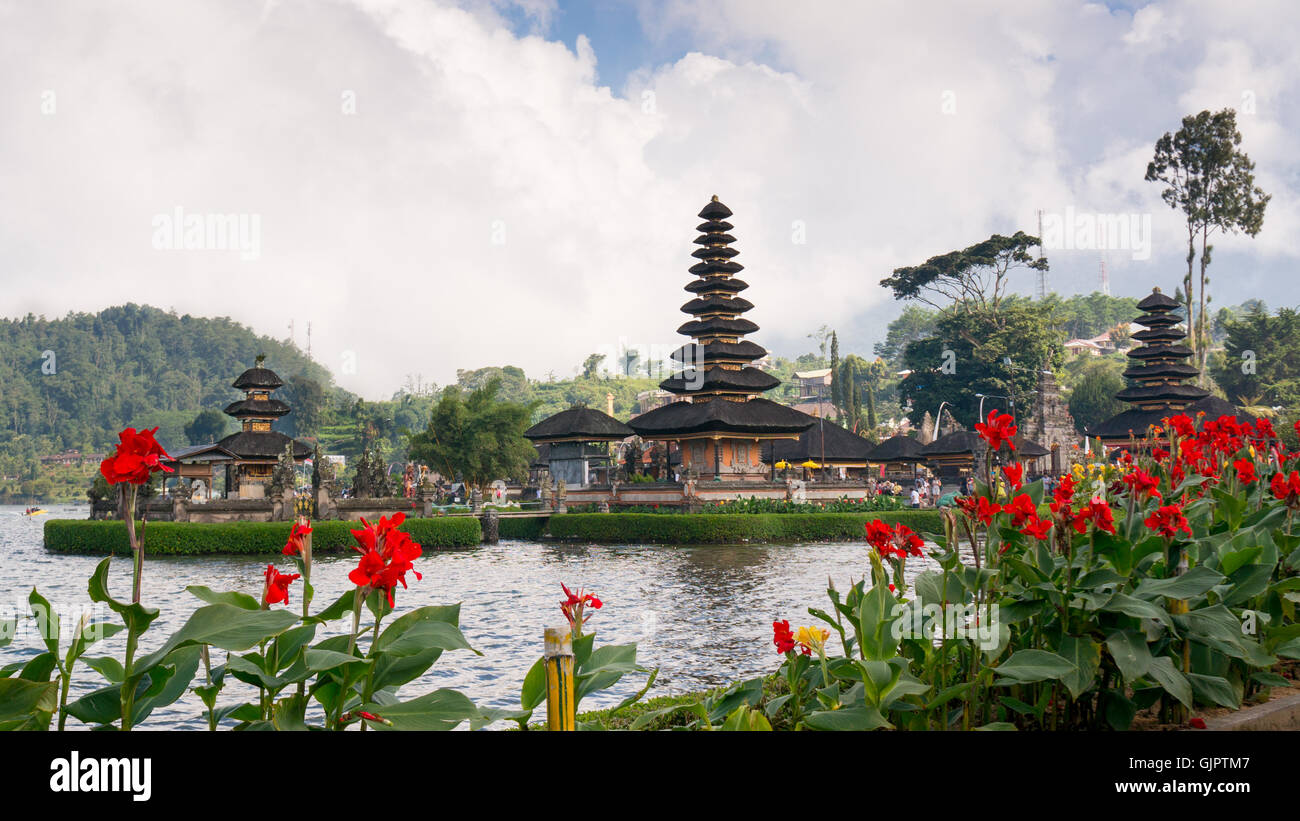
(558, 660)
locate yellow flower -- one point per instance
(812, 637)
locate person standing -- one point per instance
(916, 498)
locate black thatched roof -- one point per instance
(257, 407)
(716, 266)
(719, 303)
(1157, 320)
(1158, 300)
(756, 416)
(263, 445)
(714, 225)
(896, 449)
(700, 286)
(259, 378)
(714, 253)
(714, 238)
(713, 351)
(1151, 393)
(717, 327)
(1167, 370)
(715, 210)
(578, 423)
(745, 380)
(841, 446)
(1135, 421)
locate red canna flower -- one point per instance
(1182, 425)
(387, 554)
(1287, 488)
(1065, 490)
(1038, 528)
(1142, 484)
(574, 604)
(998, 429)
(1099, 513)
(276, 588)
(782, 636)
(138, 457)
(1168, 520)
(1197, 723)
(1245, 471)
(293, 547)
(897, 541)
(1020, 508)
(1015, 475)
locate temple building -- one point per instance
(959, 454)
(574, 446)
(838, 453)
(257, 447)
(1158, 379)
(897, 456)
(1050, 424)
(720, 419)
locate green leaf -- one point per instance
(447, 614)
(1232, 562)
(1288, 649)
(1214, 689)
(341, 607)
(318, 660)
(1247, 583)
(240, 600)
(136, 617)
(746, 719)
(439, 710)
(8, 628)
(848, 719)
(1035, 665)
(20, 698)
(998, 726)
(1271, 679)
(108, 667)
(1120, 710)
(1174, 682)
(1130, 606)
(39, 667)
(224, 626)
(1085, 655)
(425, 635)
(47, 621)
(534, 689)
(394, 671)
(1194, 582)
(1131, 653)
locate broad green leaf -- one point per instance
(1131, 653)
(240, 600)
(20, 698)
(852, 719)
(318, 660)
(107, 666)
(224, 626)
(1035, 665)
(1085, 655)
(746, 719)
(47, 621)
(1194, 582)
(439, 710)
(1214, 689)
(137, 617)
(534, 689)
(425, 635)
(1288, 649)
(445, 614)
(394, 671)
(1175, 683)
(1130, 606)
(998, 726)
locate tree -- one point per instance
(307, 397)
(1261, 361)
(208, 426)
(974, 353)
(973, 279)
(837, 384)
(1093, 399)
(478, 437)
(590, 364)
(1213, 183)
(912, 324)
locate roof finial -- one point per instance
(715, 198)
(1155, 289)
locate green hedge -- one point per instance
(524, 529)
(706, 528)
(193, 538)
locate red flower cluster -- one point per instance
(387, 554)
(1287, 488)
(1015, 475)
(1142, 484)
(276, 589)
(783, 638)
(137, 458)
(1168, 520)
(999, 428)
(293, 547)
(1245, 470)
(979, 508)
(897, 541)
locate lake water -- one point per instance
(702, 614)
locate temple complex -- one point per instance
(1159, 379)
(720, 420)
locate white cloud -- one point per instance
(887, 132)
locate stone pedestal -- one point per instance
(475, 500)
(491, 523)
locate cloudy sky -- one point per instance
(437, 185)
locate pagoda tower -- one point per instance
(720, 419)
(257, 446)
(1158, 378)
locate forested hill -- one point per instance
(135, 365)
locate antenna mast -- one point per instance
(1042, 274)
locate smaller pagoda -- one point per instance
(1158, 378)
(574, 445)
(257, 446)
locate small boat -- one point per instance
(35, 511)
